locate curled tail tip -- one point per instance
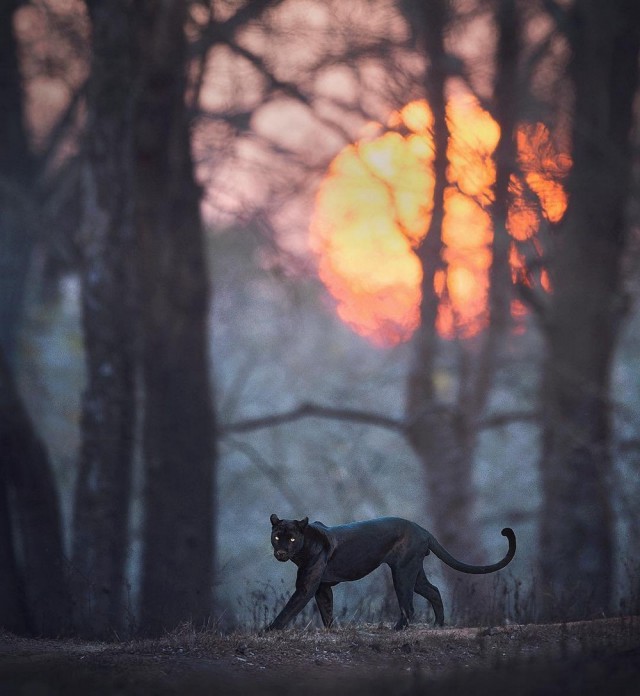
(511, 536)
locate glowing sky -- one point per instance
(374, 206)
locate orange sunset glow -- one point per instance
(374, 206)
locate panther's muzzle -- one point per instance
(281, 555)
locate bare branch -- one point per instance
(309, 410)
(354, 415)
(60, 129)
(498, 420)
(289, 88)
(222, 31)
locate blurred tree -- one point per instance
(439, 437)
(17, 169)
(14, 243)
(178, 422)
(584, 312)
(100, 525)
(33, 590)
(505, 107)
(145, 288)
(443, 434)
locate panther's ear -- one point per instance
(302, 524)
(274, 520)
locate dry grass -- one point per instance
(525, 659)
(507, 654)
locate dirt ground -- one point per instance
(594, 657)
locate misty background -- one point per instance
(160, 298)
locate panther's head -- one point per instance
(287, 537)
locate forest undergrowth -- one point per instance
(505, 653)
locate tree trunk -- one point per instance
(505, 109)
(31, 545)
(584, 315)
(16, 179)
(178, 430)
(14, 246)
(444, 435)
(33, 591)
(438, 432)
(103, 490)
(13, 608)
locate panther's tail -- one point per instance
(446, 557)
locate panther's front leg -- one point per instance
(307, 584)
(298, 601)
(324, 600)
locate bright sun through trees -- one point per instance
(374, 206)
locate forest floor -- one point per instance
(594, 657)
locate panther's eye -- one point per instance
(292, 539)
(276, 537)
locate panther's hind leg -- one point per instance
(324, 600)
(432, 594)
(404, 579)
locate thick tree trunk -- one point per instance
(16, 179)
(33, 591)
(31, 544)
(585, 310)
(100, 540)
(179, 426)
(13, 608)
(444, 435)
(14, 248)
(438, 432)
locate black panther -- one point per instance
(326, 556)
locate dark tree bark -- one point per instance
(16, 181)
(440, 433)
(33, 590)
(100, 539)
(585, 312)
(505, 110)
(444, 435)
(15, 171)
(179, 424)
(439, 438)
(31, 543)
(13, 606)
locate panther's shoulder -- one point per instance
(322, 533)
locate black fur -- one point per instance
(326, 556)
